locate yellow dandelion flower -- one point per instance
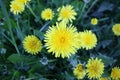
(61, 40)
(79, 72)
(116, 29)
(94, 21)
(115, 74)
(23, 1)
(47, 14)
(103, 78)
(16, 7)
(32, 44)
(66, 13)
(95, 68)
(89, 40)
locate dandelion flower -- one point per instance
(95, 68)
(32, 44)
(94, 21)
(61, 40)
(66, 13)
(89, 40)
(79, 72)
(47, 14)
(115, 74)
(23, 1)
(16, 7)
(116, 29)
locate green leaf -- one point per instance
(106, 59)
(105, 6)
(15, 58)
(105, 43)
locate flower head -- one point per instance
(79, 72)
(32, 44)
(89, 40)
(23, 1)
(95, 68)
(94, 21)
(47, 14)
(16, 7)
(115, 74)
(61, 40)
(116, 29)
(66, 13)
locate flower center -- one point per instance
(16, 7)
(88, 40)
(62, 40)
(95, 69)
(33, 44)
(66, 14)
(48, 15)
(80, 68)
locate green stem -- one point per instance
(91, 6)
(7, 38)
(44, 26)
(14, 75)
(19, 29)
(104, 19)
(83, 9)
(32, 12)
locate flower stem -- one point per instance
(19, 29)
(83, 8)
(32, 12)
(14, 75)
(44, 26)
(91, 7)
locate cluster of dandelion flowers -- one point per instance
(79, 72)
(94, 21)
(16, 7)
(116, 29)
(95, 68)
(115, 74)
(32, 44)
(47, 14)
(88, 39)
(23, 1)
(66, 13)
(61, 40)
